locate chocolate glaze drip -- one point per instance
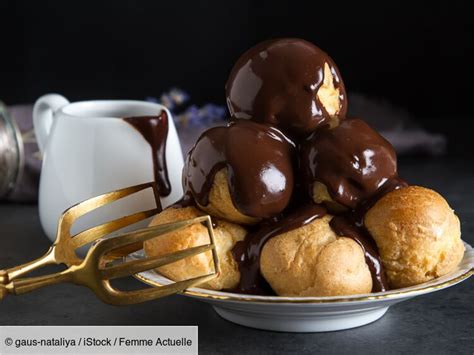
(247, 252)
(277, 82)
(259, 161)
(352, 160)
(344, 226)
(351, 225)
(155, 131)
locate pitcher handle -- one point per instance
(43, 116)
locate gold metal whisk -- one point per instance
(93, 271)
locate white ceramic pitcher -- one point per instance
(88, 149)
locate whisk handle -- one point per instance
(9, 275)
(21, 286)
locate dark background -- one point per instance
(417, 55)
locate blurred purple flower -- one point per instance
(191, 116)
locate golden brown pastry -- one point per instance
(330, 96)
(321, 196)
(226, 235)
(417, 233)
(313, 261)
(220, 202)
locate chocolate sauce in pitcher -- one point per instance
(155, 131)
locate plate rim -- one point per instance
(393, 294)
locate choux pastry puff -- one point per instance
(417, 234)
(226, 235)
(313, 261)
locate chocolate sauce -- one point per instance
(155, 131)
(247, 252)
(351, 225)
(277, 81)
(352, 160)
(345, 227)
(259, 161)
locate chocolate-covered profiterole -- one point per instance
(259, 161)
(357, 166)
(247, 252)
(289, 83)
(352, 160)
(155, 131)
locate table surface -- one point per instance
(442, 322)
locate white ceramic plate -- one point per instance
(312, 314)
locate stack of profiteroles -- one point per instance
(305, 201)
